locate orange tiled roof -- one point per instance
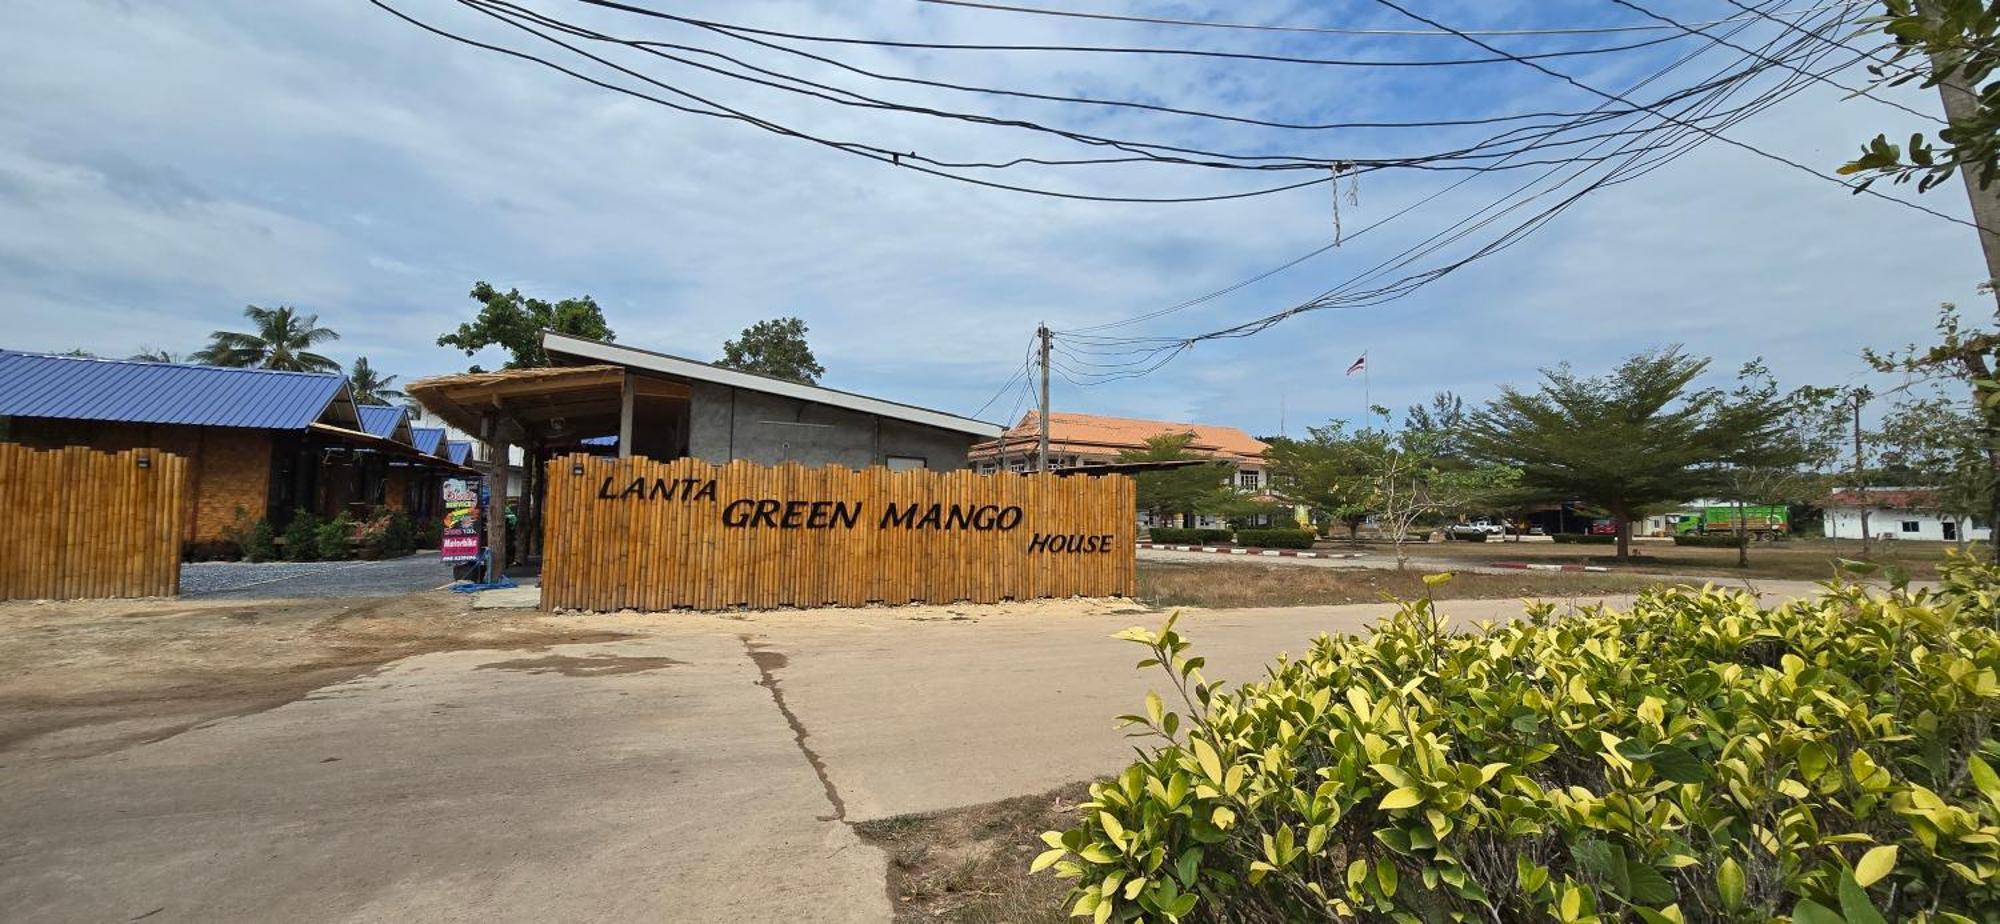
(1093, 433)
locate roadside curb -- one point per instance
(1530, 566)
(1234, 550)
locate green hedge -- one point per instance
(1697, 757)
(1276, 538)
(1582, 539)
(1707, 542)
(1176, 536)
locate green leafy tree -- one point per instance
(1794, 465)
(1328, 472)
(1443, 419)
(1628, 442)
(776, 348)
(1972, 357)
(1411, 482)
(283, 339)
(1953, 45)
(1183, 491)
(1935, 442)
(150, 355)
(369, 386)
(515, 322)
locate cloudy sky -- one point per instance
(164, 163)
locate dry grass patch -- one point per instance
(1247, 584)
(971, 865)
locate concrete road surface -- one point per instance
(705, 770)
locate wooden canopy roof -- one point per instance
(530, 405)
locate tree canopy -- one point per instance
(1191, 489)
(282, 339)
(1970, 436)
(776, 348)
(369, 386)
(1328, 471)
(514, 322)
(1628, 442)
(1954, 43)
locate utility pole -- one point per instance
(1860, 476)
(1042, 445)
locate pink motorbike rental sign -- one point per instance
(461, 521)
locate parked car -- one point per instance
(1605, 527)
(1479, 527)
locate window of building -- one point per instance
(1246, 479)
(1911, 526)
(907, 463)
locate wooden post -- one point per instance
(496, 490)
(627, 392)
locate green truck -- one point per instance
(1761, 520)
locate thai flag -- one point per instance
(1360, 365)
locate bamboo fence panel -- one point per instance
(83, 523)
(641, 534)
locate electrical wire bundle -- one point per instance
(669, 60)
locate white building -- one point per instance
(1897, 513)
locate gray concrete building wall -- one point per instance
(727, 423)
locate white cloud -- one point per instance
(162, 164)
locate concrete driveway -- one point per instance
(706, 769)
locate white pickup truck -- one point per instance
(1479, 527)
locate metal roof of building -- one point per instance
(83, 388)
(458, 451)
(427, 439)
(561, 346)
(382, 419)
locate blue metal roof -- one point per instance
(381, 419)
(80, 388)
(460, 451)
(427, 439)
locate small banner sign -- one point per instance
(640, 534)
(460, 540)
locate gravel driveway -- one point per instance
(421, 571)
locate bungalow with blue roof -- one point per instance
(260, 441)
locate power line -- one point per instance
(884, 155)
(1172, 347)
(1111, 49)
(499, 9)
(1713, 41)
(1729, 141)
(1695, 29)
(1332, 30)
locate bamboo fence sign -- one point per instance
(82, 523)
(648, 535)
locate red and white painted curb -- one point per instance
(1234, 550)
(1532, 566)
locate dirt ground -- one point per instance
(1234, 582)
(970, 865)
(1802, 559)
(88, 677)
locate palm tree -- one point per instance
(282, 341)
(369, 387)
(150, 355)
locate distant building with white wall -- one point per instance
(1897, 513)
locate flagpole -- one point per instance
(1367, 400)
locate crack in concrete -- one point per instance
(767, 663)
